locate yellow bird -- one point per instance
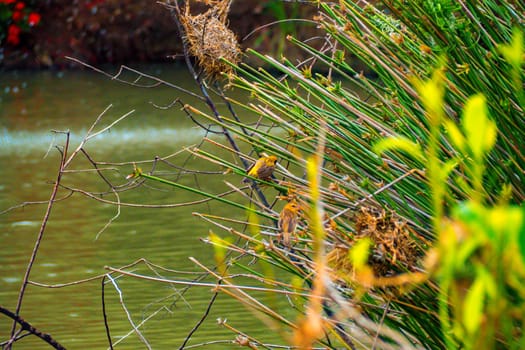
(288, 221)
(263, 168)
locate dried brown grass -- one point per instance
(210, 40)
(394, 248)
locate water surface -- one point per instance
(32, 104)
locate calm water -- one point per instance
(32, 104)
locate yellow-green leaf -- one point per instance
(465, 250)
(462, 184)
(312, 167)
(479, 129)
(432, 93)
(491, 289)
(505, 194)
(456, 136)
(513, 52)
(219, 247)
(359, 253)
(399, 143)
(253, 221)
(473, 306)
(507, 221)
(267, 269)
(446, 168)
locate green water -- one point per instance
(32, 104)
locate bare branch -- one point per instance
(32, 330)
(204, 316)
(128, 314)
(38, 241)
(115, 77)
(21, 205)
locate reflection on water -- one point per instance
(27, 141)
(44, 101)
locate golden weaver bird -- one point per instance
(262, 169)
(288, 221)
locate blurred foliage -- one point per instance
(16, 18)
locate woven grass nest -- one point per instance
(209, 39)
(394, 250)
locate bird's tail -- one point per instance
(286, 240)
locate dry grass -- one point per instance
(394, 250)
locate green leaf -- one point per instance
(399, 143)
(473, 306)
(521, 235)
(339, 56)
(465, 251)
(479, 129)
(474, 216)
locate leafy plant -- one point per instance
(405, 173)
(478, 244)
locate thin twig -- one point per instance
(38, 240)
(73, 155)
(155, 206)
(128, 314)
(278, 22)
(352, 313)
(204, 316)
(140, 74)
(121, 339)
(21, 205)
(204, 284)
(62, 285)
(381, 322)
(112, 190)
(106, 324)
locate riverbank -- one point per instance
(130, 31)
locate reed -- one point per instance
(392, 154)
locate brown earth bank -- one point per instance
(126, 31)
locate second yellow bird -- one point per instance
(288, 221)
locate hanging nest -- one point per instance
(209, 39)
(394, 247)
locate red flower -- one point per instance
(20, 6)
(13, 34)
(33, 19)
(17, 16)
(13, 30)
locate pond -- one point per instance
(78, 242)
